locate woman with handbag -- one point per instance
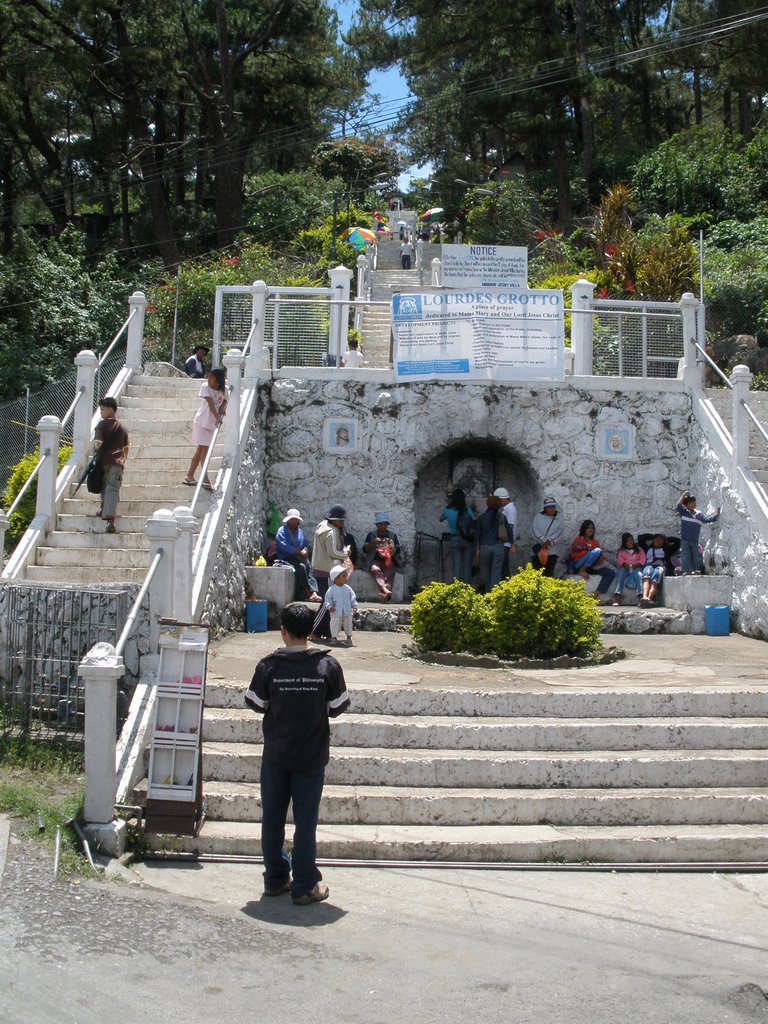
(630, 559)
(384, 555)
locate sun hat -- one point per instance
(501, 492)
(336, 571)
(292, 513)
(549, 503)
(337, 512)
(380, 517)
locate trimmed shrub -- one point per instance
(529, 615)
(25, 513)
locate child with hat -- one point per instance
(341, 601)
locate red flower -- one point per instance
(539, 235)
(151, 309)
(603, 293)
(610, 250)
(233, 261)
(629, 287)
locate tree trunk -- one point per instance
(728, 109)
(564, 203)
(8, 200)
(697, 110)
(745, 115)
(585, 107)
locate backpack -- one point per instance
(465, 524)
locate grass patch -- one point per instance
(41, 783)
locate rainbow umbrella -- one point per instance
(434, 214)
(359, 237)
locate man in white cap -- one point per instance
(291, 545)
(508, 510)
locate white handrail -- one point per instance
(133, 614)
(73, 406)
(754, 419)
(202, 470)
(708, 359)
(28, 481)
(116, 338)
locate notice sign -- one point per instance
(498, 334)
(484, 266)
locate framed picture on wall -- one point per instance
(616, 442)
(340, 435)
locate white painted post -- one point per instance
(86, 363)
(582, 292)
(50, 431)
(162, 532)
(5, 522)
(182, 568)
(693, 372)
(259, 356)
(138, 302)
(341, 278)
(741, 378)
(437, 267)
(233, 361)
(360, 291)
(100, 670)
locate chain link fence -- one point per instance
(636, 340)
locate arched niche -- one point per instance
(478, 467)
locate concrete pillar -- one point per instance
(182, 568)
(233, 361)
(741, 378)
(361, 263)
(259, 355)
(162, 532)
(337, 334)
(4, 524)
(582, 293)
(100, 671)
(86, 363)
(693, 373)
(437, 267)
(138, 302)
(50, 431)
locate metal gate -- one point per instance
(636, 339)
(48, 632)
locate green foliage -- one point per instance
(356, 162)
(505, 218)
(529, 615)
(443, 616)
(54, 306)
(736, 291)
(25, 512)
(278, 206)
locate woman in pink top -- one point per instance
(210, 415)
(630, 560)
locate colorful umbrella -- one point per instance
(434, 214)
(359, 237)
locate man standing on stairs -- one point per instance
(406, 254)
(297, 689)
(110, 439)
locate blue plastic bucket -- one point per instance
(716, 619)
(255, 616)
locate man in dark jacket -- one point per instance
(297, 689)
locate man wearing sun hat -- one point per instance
(291, 545)
(509, 511)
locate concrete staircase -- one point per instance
(531, 772)
(388, 278)
(158, 413)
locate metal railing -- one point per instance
(17, 500)
(706, 358)
(133, 614)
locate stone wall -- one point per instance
(411, 443)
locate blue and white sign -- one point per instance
(479, 334)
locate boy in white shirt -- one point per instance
(340, 600)
(352, 358)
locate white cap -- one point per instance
(501, 492)
(336, 571)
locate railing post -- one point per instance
(86, 363)
(360, 290)
(741, 378)
(259, 356)
(582, 292)
(100, 671)
(182, 570)
(337, 334)
(233, 361)
(135, 343)
(693, 373)
(50, 431)
(4, 524)
(437, 267)
(162, 532)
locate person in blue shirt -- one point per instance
(691, 522)
(291, 547)
(461, 522)
(492, 531)
(195, 365)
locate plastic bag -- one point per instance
(274, 522)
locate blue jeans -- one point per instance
(690, 559)
(491, 562)
(605, 572)
(279, 787)
(621, 578)
(462, 557)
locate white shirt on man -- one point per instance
(352, 358)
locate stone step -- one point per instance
(225, 725)
(78, 524)
(146, 386)
(391, 805)
(84, 575)
(499, 844)
(521, 701)
(95, 556)
(529, 769)
(129, 507)
(98, 541)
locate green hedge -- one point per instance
(529, 615)
(25, 513)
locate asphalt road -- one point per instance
(197, 943)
